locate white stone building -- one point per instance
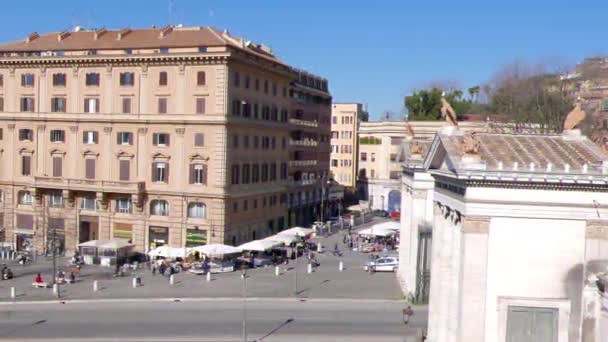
(501, 232)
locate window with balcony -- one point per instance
(373, 157)
(247, 81)
(26, 135)
(159, 208)
(235, 141)
(89, 168)
(160, 172)
(197, 210)
(58, 104)
(198, 174)
(27, 80)
(124, 172)
(201, 104)
(124, 138)
(57, 136)
(56, 199)
(236, 79)
(256, 142)
(24, 197)
(59, 80)
(162, 79)
(264, 172)
(162, 105)
(265, 86)
(201, 78)
(127, 79)
(235, 175)
(283, 171)
(199, 139)
(160, 139)
(89, 203)
(245, 174)
(273, 172)
(57, 166)
(92, 79)
(27, 104)
(363, 156)
(91, 105)
(235, 207)
(236, 107)
(255, 173)
(126, 105)
(26, 165)
(256, 111)
(123, 205)
(257, 84)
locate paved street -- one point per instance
(209, 320)
(325, 282)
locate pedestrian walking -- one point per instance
(153, 269)
(407, 314)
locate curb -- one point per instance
(204, 299)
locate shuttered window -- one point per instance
(162, 105)
(26, 162)
(160, 139)
(25, 221)
(200, 105)
(199, 140)
(198, 174)
(201, 78)
(126, 105)
(90, 168)
(162, 78)
(125, 166)
(160, 172)
(57, 166)
(90, 137)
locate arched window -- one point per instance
(159, 207)
(197, 210)
(25, 197)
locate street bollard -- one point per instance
(319, 247)
(341, 266)
(208, 276)
(95, 286)
(309, 270)
(56, 290)
(13, 255)
(4, 254)
(13, 292)
(277, 271)
(134, 282)
(172, 279)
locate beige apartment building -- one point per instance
(179, 136)
(344, 126)
(384, 146)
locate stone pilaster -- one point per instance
(473, 277)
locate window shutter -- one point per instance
(25, 166)
(155, 139)
(124, 170)
(204, 174)
(84, 137)
(200, 78)
(154, 172)
(130, 139)
(95, 137)
(199, 139)
(192, 175)
(118, 138)
(168, 136)
(90, 169)
(166, 174)
(57, 166)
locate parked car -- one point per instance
(380, 213)
(382, 264)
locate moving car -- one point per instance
(380, 213)
(383, 264)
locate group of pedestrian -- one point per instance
(6, 273)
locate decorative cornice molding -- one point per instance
(596, 229)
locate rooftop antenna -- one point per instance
(171, 2)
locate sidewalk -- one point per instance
(325, 282)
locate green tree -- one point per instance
(425, 105)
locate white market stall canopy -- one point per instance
(115, 244)
(287, 239)
(388, 225)
(260, 245)
(377, 232)
(168, 252)
(92, 243)
(215, 250)
(299, 231)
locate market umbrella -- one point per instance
(260, 245)
(388, 225)
(299, 231)
(215, 249)
(168, 252)
(376, 232)
(287, 239)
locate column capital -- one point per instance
(107, 130)
(596, 229)
(142, 130)
(73, 129)
(180, 131)
(10, 126)
(476, 224)
(41, 127)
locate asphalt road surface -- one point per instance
(208, 320)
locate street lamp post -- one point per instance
(244, 276)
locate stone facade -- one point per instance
(194, 138)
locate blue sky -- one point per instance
(373, 52)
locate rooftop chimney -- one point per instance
(31, 37)
(100, 33)
(122, 33)
(165, 31)
(63, 35)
